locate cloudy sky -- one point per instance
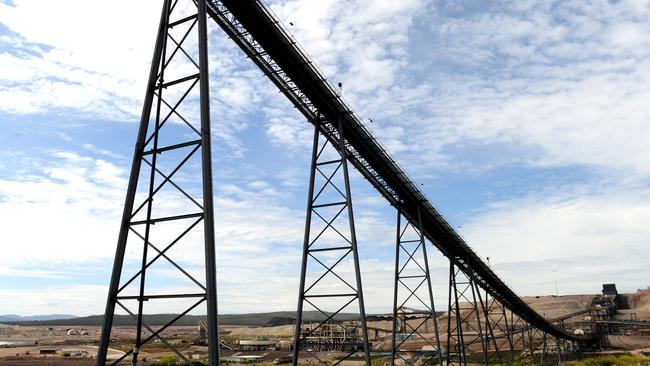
(526, 123)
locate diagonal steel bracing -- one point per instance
(480, 328)
(330, 280)
(178, 83)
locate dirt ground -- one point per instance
(279, 331)
(636, 343)
(555, 307)
(26, 342)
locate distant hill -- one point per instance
(14, 317)
(253, 319)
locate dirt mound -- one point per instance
(279, 331)
(639, 303)
(557, 306)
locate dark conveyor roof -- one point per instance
(270, 46)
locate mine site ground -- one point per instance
(66, 345)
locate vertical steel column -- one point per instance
(509, 334)
(459, 321)
(559, 350)
(449, 312)
(428, 274)
(208, 205)
(454, 308)
(485, 306)
(398, 230)
(544, 349)
(111, 300)
(353, 234)
(478, 321)
(152, 179)
(305, 247)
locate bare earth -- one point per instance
(27, 342)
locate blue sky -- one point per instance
(525, 122)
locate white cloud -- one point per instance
(586, 236)
(359, 43)
(567, 83)
(550, 86)
(81, 66)
(77, 299)
(534, 75)
(29, 273)
(67, 213)
(69, 203)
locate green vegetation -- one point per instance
(166, 361)
(613, 360)
(380, 361)
(228, 339)
(173, 361)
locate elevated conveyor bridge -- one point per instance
(484, 316)
(271, 47)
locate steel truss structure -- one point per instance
(263, 38)
(413, 305)
(178, 81)
(480, 329)
(330, 243)
(486, 319)
(497, 318)
(464, 327)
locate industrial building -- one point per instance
(331, 336)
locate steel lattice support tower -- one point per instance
(519, 331)
(464, 327)
(176, 106)
(330, 244)
(497, 320)
(412, 293)
(497, 316)
(489, 331)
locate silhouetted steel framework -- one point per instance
(171, 86)
(252, 26)
(486, 317)
(330, 239)
(412, 293)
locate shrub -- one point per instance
(166, 361)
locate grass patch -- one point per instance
(613, 360)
